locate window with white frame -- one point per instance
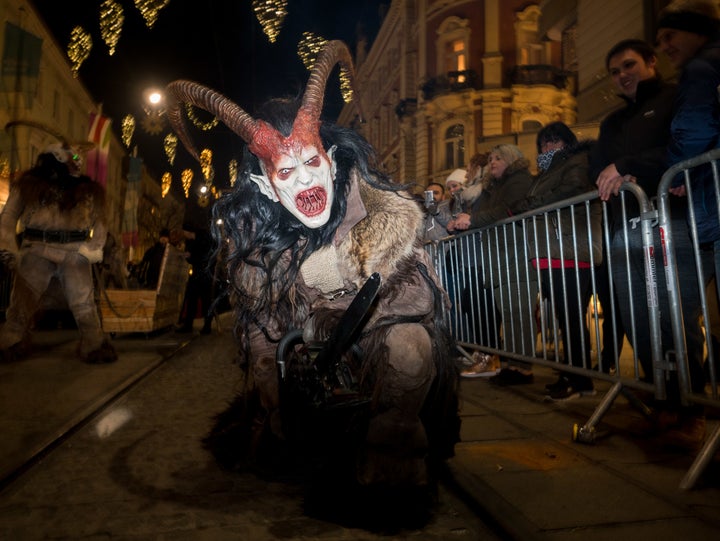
(454, 146)
(530, 48)
(453, 44)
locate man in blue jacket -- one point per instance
(688, 32)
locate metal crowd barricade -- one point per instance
(492, 275)
(698, 175)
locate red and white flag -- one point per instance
(97, 158)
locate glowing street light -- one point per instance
(154, 101)
(154, 105)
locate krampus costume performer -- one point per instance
(308, 221)
(60, 212)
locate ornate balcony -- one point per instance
(542, 75)
(406, 107)
(452, 81)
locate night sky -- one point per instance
(218, 43)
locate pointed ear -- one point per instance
(265, 187)
(333, 163)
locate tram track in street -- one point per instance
(24, 461)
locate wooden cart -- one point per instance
(147, 310)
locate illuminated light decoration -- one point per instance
(4, 168)
(270, 14)
(206, 165)
(186, 177)
(232, 169)
(308, 49)
(153, 123)
(346, 90)
(150, 9)
(128, 129)
(79, 48)
(112, 18)
(204, 126)
(170, 145)
(166, 182)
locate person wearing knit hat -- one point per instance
(688, 32)
(455, 180)
(685, 26)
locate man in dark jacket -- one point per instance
(152, 260)
(689, 34)
(631, 147)
(632, 140)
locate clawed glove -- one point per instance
(92, 255)
(7, 258)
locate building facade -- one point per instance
(41, 102)
(445, 79)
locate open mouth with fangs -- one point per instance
(311, 202)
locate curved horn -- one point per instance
(233, 116)
(333, 53)
(39, 126)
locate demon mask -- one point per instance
(297, 171)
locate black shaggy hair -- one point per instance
(257, 232)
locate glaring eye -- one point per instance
(313, 162)
(284, 173)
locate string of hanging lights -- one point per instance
(166, 182)
(232, 170)
(186, 178)
(204, 126)
(206, 165)
(128, 129)
(150, 9)
(170, 146)
(111, 21)
(79, 48)
(308, 49)
(270, 14)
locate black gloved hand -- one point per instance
(7, 258)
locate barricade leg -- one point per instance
(712, 444)
(588, 433)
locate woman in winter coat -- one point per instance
(514, 284)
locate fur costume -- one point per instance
(298, 264)
(59, 214)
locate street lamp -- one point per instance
(154, 101)
(154, 106)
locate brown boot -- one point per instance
(688, 434)
(14, 353)
(394, 452)
(103, 355)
